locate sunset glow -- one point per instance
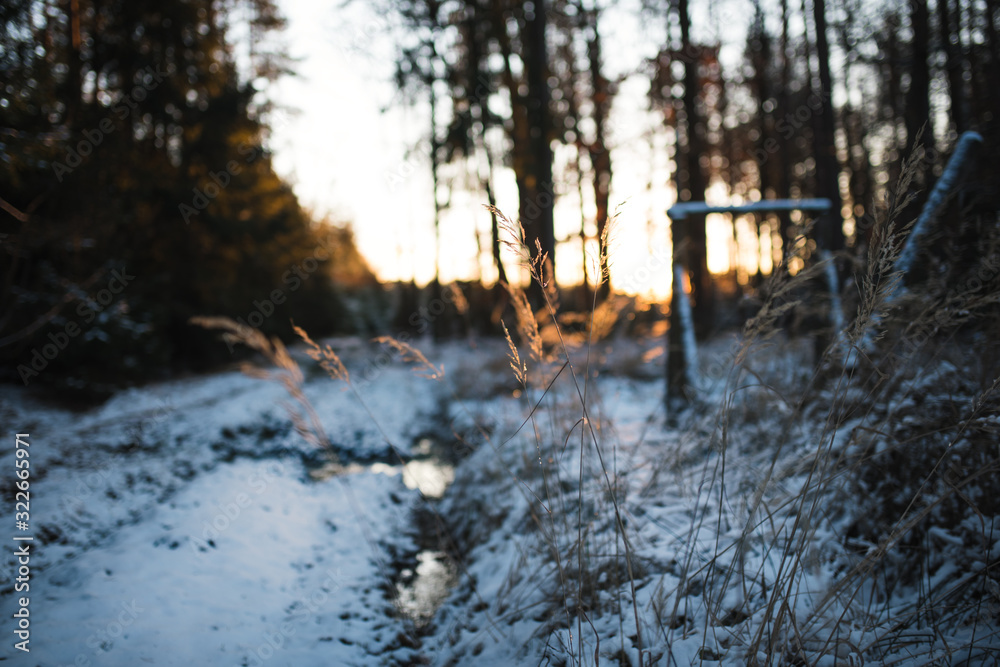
(347, 109)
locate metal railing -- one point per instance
(683, 342)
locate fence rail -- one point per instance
(683, 342)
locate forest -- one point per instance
(167, 110)
(695, 359)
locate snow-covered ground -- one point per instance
(179, 524)
(188, 523)
(733, 538)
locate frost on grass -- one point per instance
(837, 516)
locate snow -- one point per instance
(187, 523)
(942, 188)
(244, 562)
(682, 210)
(689, 346)
(184, 526)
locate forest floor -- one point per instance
(467, 521)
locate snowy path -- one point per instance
(178, 524)
(185, 524)
(287, 570)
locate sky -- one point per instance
(354, 152)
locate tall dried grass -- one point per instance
(817, 503)
(806, 593)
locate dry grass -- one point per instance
(806, 594)
(579, 565)
(307, 423)
(831, 519)
(842, 514)
(286, 372)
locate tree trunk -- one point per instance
(435, 181)
(858, 158)
(495, 232)
(600, 156)
(693, 229)
(74, 89)
(918, 106)
(535, 187)
(830, 234)
(991, 11)
(893, 109)
(477, 72)
(949, 26)
(783, 187)
(760, 57)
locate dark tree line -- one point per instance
(134, 137)
(530, 70)
(826, 101)
(831, 111)
(132, 140)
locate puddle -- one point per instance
(424, 578)
(422, 591)
(429, 473)
(431, 477)
(426, 472)
(425, 581)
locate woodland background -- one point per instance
(134, 137)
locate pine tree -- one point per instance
(137, 146)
